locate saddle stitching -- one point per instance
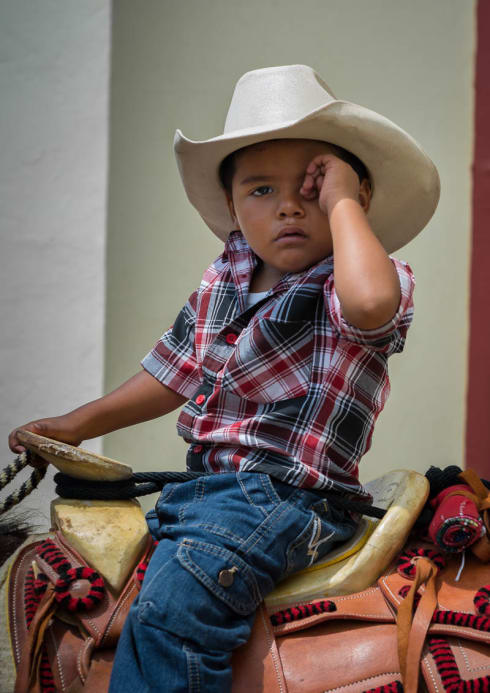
(79, 662)
(14, 608)
(369, 678)
(116, 611)
(284, 628)
(388, 588)
(447, 667)
(58, 661)
(274, 655)
(430, 670)
(357, 595)
(482, 667)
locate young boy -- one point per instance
(281, 356)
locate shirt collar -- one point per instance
(243, 261)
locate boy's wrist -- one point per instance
(343, 204)
(84, 422)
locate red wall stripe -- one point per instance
(478, 394)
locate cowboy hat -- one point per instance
(294, 102)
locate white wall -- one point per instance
(54, 82)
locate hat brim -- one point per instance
(405, 182)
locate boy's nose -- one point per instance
(290, 205)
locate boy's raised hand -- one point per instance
(330, 179)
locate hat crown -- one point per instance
(275, 96)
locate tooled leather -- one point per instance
(83, 658)
(274, 670)
(27, 669)
(341, 656)
(64, 643)
(332, 652)
(472, 659)
(452, 595)
(73, 656)
(103, 623)
(256, 665)
(412, 631)
(15, 599)
(115, 623)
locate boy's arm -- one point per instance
(139, 399)
(366, 281)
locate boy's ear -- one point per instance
(365, 194)
(231, 207)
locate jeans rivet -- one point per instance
(226, 577)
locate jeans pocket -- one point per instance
(166, 492)
(153, 517)
(323, 531)
(227, 577)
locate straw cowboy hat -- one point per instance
(294, 102)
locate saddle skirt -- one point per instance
(359, 643)
(346, 643)
(64, 623)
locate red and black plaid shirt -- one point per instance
(285, 387)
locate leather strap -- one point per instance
(412, 628)
(480, 548)
(257, 665)
(470, 477)
(28, 670)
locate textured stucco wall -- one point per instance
(175, 65)
(54, 81)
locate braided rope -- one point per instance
(10, 471)
(144, 483)
(406, 564)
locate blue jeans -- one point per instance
(225, 542)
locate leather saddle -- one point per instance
(355, 622)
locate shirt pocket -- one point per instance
(271, 361)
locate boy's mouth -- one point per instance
(290, 233)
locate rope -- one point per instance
(10, 471)
(144, 483)
(139, 484)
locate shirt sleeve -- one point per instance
(172, 361)
(389, 338)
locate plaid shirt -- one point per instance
(287, 386)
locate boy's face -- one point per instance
(288, 232)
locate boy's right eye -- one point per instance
(262, 190)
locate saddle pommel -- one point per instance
(109, 535)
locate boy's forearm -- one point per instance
(139, 399)
(366, 281)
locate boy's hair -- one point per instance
(227, 167)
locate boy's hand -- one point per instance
(331, 180)
(62, 428)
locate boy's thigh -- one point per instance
(225, 542)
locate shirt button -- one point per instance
(231, 338)
(200, 399)
(197, 448)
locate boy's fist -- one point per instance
(330, 179)
(62, 428)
